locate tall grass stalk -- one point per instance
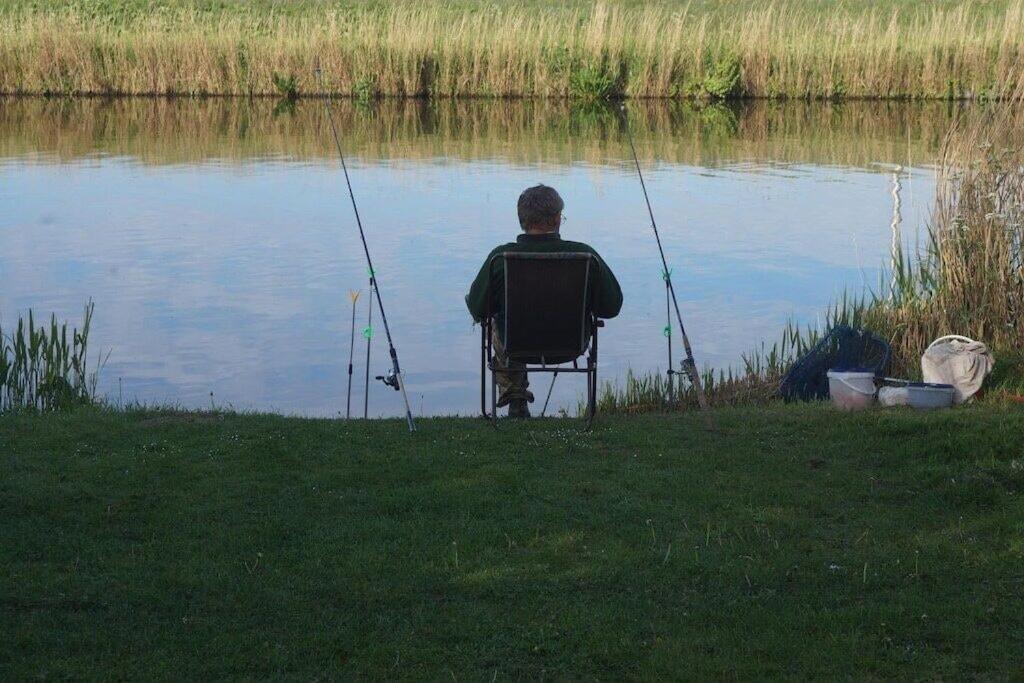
(44, 367)
(783, 48)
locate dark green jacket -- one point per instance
(490, 281)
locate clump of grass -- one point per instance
(44, 367)
(365, 89)
(783, 49)
(591, 82)
(287, 86)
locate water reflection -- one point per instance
(217, 242)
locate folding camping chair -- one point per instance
(548, 320)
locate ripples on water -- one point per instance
(219, 246)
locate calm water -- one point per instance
(218, 244)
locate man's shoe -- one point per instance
(512, 395)
(518, 409)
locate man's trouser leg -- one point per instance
(512, 380)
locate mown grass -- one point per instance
(585, 50)
(792, 542)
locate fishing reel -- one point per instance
(390, 379)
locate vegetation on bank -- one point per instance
(774, 49)
(967, 278)
(43, 367)
(789, 542)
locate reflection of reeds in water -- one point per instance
(968, 279)
(175, 131)
(771, 49)
(44, 367)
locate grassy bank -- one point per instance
(527, 48)
(791, 542)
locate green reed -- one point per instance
(44, 367)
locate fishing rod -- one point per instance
(689, 363)
(354, 296)
(394, 376)
(368, 333)
(668, 338)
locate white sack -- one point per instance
(893, 396)
(959, 361)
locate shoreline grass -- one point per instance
(587, 50)
(793, 542)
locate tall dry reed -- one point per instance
(775, 49)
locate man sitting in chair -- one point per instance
(540, 215)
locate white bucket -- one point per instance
(851, 390)
(928, 396)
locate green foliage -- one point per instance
(838, 88)
(723, 81)
(591, 82)
(286, 86)
(41, 368)
(365, 89)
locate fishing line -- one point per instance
(394, 378)
(551, 387)
(689, 364)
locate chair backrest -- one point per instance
(547, 305)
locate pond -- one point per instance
(219, 246)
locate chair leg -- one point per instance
(494, 398)
(591, 396)
(483, 369)
(592, 382)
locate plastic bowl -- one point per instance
(930, 396)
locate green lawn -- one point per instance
(786, 542)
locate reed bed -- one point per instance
(967, 278)
(781, 49)
(45, 367)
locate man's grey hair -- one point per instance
(539, 204)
